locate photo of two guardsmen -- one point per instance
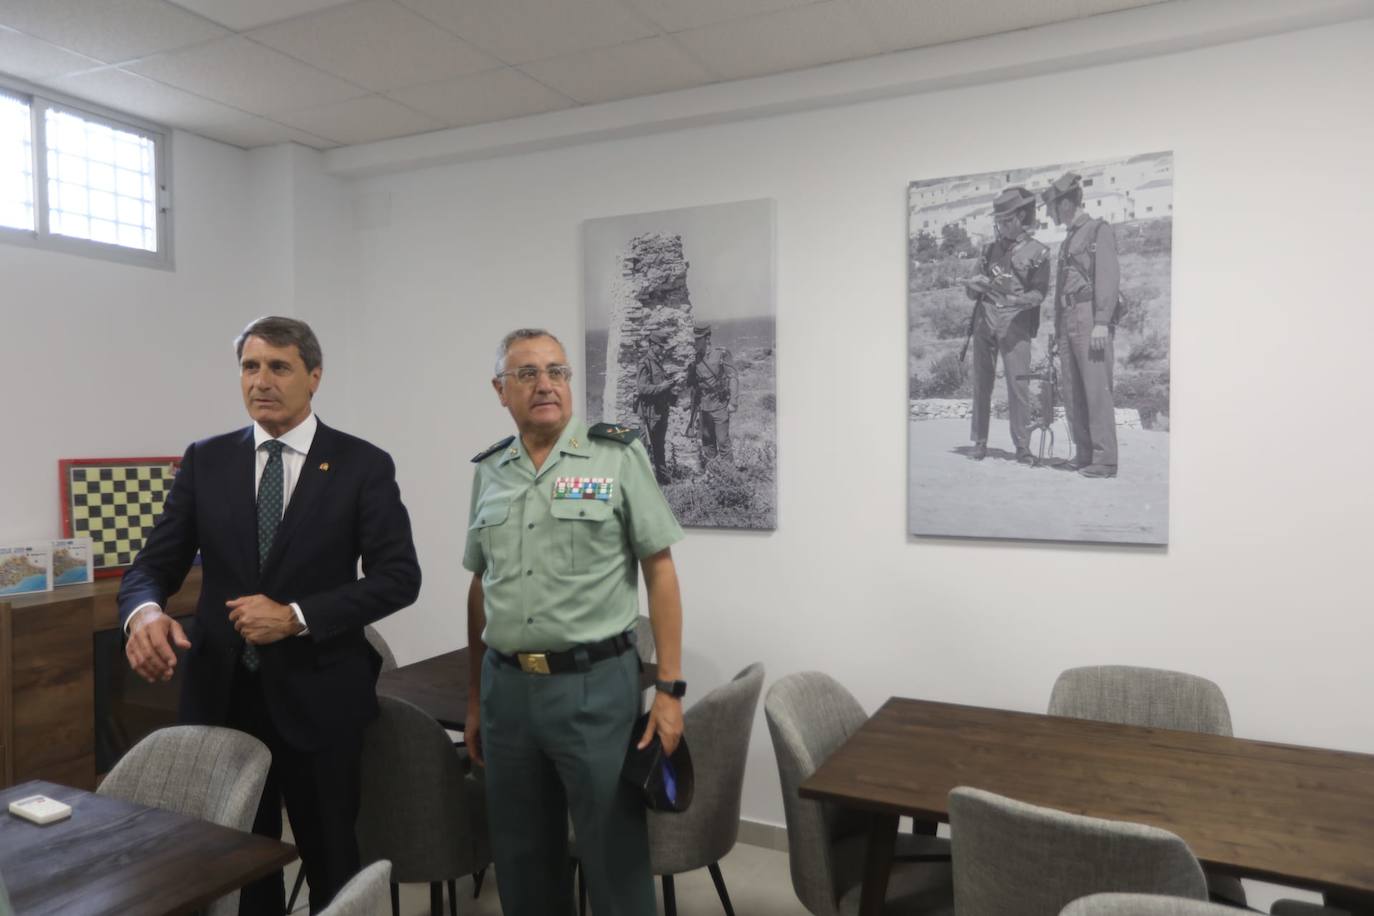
(1008, 289)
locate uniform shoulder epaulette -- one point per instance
(615, 432)
(493, 449)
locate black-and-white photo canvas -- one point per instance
(681, 343)
(1038, 352)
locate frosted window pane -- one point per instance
(16, 164)
(102, 182)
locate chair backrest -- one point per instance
(365, 894)
(717, 728)
(1011, 857)
(1144, 905)
(1150, 697)
(384, 650)
(215, 774)
(809, 715)
(418, 809)
(644, 639)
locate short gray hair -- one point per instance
(512, 337)
(283, 332)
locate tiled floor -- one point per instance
(757, 879)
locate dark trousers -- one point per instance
(1015, 347)
(554, 746)
(1087, 382)
(321, 791)
(658, 444)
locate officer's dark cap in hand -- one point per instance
(664, 782)
(1063, 185)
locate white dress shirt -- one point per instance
(297, 445)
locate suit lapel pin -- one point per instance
(324, 465)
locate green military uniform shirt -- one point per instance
(557, 570)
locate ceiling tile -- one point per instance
(109, 30)
(140, 96)
(790, 40)
(644, 67)
(517, 31)
(34, 59)
(901, 24)
(492, 95)
(361, 120)
(377, 44)
(249, 131)
(249, 76)
(676, 15)
(241, 15)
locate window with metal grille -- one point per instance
(82, 181)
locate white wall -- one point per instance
(1262, 587)
(105, 359)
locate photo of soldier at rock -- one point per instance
(681, 344)
(1039, 306)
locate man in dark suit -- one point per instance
(281, 512)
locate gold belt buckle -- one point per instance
(533, 662)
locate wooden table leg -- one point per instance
(882, 840)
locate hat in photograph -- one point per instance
(660, 336)
(1011, 200)
(701, 329)
(1062, 185)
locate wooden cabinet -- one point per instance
(48, 646)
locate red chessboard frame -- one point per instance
(64, 467)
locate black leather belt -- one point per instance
(578, 658)
(1081, 295)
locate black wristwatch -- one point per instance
(672, 688)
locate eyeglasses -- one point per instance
(527, 375)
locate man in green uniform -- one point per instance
(715, 394)
(655, 396)
(563, 519)
(1012, 280)
(1087, 284)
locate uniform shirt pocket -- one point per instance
(586, 528)
(489, 525)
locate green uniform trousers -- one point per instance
(1086, 379)
(554, 745)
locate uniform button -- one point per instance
(529, 572)
(583, 513)
(531, 524)
(529, 620)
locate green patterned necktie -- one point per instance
(271, 493)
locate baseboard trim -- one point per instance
(758, 833)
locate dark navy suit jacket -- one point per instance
(320, 687)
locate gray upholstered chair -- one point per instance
(1011, 857)
(215, 774)
(810, 715)
(644, 639)
(1143, 905)
(384, 650)
(1302, 908)
(420, 808)
(364, 894)
(1153, 698)
(717, 729)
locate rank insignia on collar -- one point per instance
(602, 488)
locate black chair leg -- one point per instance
(295, 891)
(669, 896)
(436, 898)
(395, 899)
(719, 879)
(452, 897)
(477, 881)
(581, 888)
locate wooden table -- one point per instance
(1294, 815)
(439, 685)
(116, 857)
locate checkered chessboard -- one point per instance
(116, 506)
